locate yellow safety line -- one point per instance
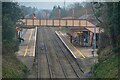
(74, 46)
(28, 43)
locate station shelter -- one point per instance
(84, 35)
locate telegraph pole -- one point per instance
(64, 5)
(46, 15)
(59, 11)
(73, 11)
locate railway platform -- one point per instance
(83, 56)
(26, 52)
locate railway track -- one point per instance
(68, 72)
(48, 59)
(43, 61)
(62, 66)
(61, 54)
(55, 69)
(74, 64)
(53, 59)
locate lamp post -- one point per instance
(94, 48)
(94, 43)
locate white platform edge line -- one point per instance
(65, 44)
(35, 41)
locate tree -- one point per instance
(110, 21)
(78, 10)
(113, 17)
(11, 13)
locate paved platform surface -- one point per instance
(82, 55)
(26, 51)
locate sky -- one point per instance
(44, 5)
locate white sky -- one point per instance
(44, 5)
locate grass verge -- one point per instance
(107, 68)
(12, 67)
